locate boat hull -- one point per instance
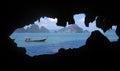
(41, 40)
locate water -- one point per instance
(54, 41)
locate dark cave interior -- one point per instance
(98, 53)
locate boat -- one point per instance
(30, 40)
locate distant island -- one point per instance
(73, 28)
(33, 29)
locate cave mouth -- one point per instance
(74, 35)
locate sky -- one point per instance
(50, 23)
(79, 20)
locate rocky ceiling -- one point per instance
(17, 14)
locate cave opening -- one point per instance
(73, 35)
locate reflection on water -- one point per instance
(54, 41)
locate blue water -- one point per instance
(54, 42)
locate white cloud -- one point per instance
(25, 27)
(49, 23)
(53, 20)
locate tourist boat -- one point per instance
(30, 40)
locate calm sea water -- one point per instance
(54, 41)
